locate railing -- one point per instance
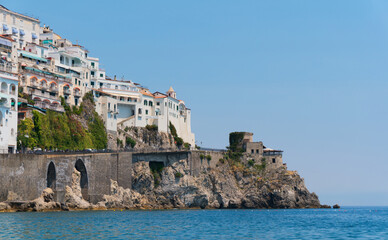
(53, 89)
(47, 76)
(273, 153)
(6, 67)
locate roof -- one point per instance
(146, 93)
(170, 90)
(7, 36)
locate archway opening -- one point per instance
(51, 177)
(80, 166)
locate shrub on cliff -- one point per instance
(235, 141)
(130, 142)
(152, 127)
(178, 140)
(64, 131)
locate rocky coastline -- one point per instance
(226, 186)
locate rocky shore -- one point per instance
(173, 187)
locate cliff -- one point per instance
(225, 186)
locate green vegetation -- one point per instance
(208, 157)
(120, 143)
(235, 141)
(178, 140)
(261, 167)
(221, 160)
(197, 147)
(251, 162)
(201, 156)
(187, 146)
(25, 96)
(156, 170)
(63, 131)
(152, 127)
(130, 142)
(178, 175)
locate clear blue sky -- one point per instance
(307, 77)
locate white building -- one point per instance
(24, 29)
(8, 109)
(124, 104)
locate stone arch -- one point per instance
(51, 176)
(80, 166)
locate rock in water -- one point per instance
(336, 206)
(73, 194)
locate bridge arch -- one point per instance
(51, 176)
(80, 166)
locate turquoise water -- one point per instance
(361, 223)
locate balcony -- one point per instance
(77, 93)
(272, 152)
(43, 86)
(66, 91)
(53, 89)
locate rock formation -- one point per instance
(223, 187)
(73, 195)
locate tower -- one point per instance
(171, 93)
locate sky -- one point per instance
(307, 77)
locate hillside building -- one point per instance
(8, 108)
(22, 28)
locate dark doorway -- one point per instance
(80, 166)
(51, 176)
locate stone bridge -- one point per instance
(27, 175)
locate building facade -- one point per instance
(22, 28)
(8, 109)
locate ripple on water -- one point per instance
(199, 224)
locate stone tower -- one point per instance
(171, 93)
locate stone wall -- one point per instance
(26, 175)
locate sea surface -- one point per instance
(345, 223)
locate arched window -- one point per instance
(150, 103)
(145, 102)
(12, 89)
(139, 111)
(4, 87)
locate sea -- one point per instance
(344, 223)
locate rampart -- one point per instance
(27, 175)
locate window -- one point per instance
(139, 111)
(62, 60)
(92, 73)
(108, 106)
(33, 27)
(87, 75)
(101, 75)
(92, 83)
(273, 160)
(116, 87)
(257, 151)
(92, 64)
(253, 151)
(158, 103)
(13, 20)
(145, 103)
(150, 103)
(146, 112)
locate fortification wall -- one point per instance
(27, 175)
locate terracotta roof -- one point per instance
(7, 36)
(146, 93)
